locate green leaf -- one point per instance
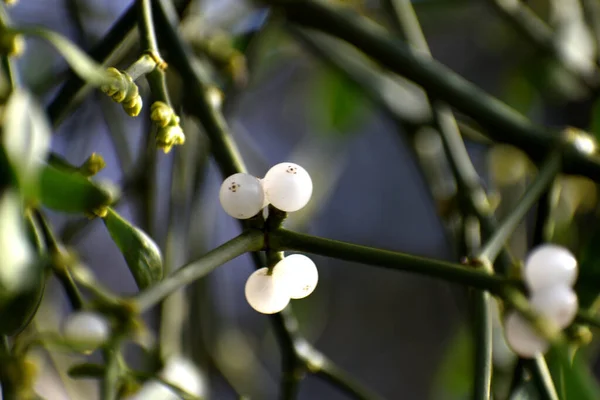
(454, 378)
(141, 253)
(337, 104)
(86, 370)
(573, 380)
(519, 92)
(81, 63)
(26, 139)
(71, 192)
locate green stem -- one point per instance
(541, 376)
(110, 382)
(146, 26)
(543, 180)
(143, 66)
(251, 240)
(285, 326)
(483, 346)
(282, 240)
(503, 123)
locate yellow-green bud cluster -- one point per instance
(123, 90)
(169, 132)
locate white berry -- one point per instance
(288, 186)
(521, 337)
(265, 293)
(298, 273)
(242, 196)
(557, 303)
(550, 265)
(87, 330)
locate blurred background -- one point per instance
(380, 180)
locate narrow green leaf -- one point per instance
(66, 191)
(81, 63)
(26, 139)
(141, 253)
(573, 379)
(86, 370)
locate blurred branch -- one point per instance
(470, 191)
(503, 124)
(540, 35)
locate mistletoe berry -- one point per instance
(265, 293)
(242, 196)
(521, 337)
(288, 186)
(550, 265)
(298, 273)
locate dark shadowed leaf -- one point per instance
(141, 253)
(66, 191)
(86, 370)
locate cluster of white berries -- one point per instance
(287, 187)
(550, 272)
(269, 291)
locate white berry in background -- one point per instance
(265, 293)
(298, 273)
(550, 265)
(521, 337)
(288, 186)
(88, 330)
(184, 374)
(242, 196)
(557, 303)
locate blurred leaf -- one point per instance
(66, 191)
(519, 92)
(454, 378)
(141, 253)
(86, 370)
(81, 63)
(573, 381)
(26, 138)
(337, 104)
